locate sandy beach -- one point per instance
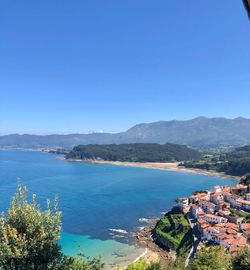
(173, 166)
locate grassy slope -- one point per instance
(175, 228)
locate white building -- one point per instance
(217, 189)
(232, 198)
(214, 219)
(216, 198)
(207, 207)
(243, 204)
(182, 202)
(210, 234)
(195, 209)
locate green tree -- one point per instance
(29, 238)
(242, 260)
(178, 264)
(211, 258)
(143, 265)
(71, 263)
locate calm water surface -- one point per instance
(97, 199)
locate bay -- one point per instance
(101, 203)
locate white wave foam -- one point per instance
(144, 220)
(118, 231)
(118, 236)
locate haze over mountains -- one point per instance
(200, 132)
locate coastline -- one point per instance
(153, 252)
(171, 166)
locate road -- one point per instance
(196, 235)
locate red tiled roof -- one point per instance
(243, 201)
(245, 226)
(204, 226)
(212, 216)
(231, 231)
(182, 199)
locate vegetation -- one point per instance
(242, 260)
(239, 213)
(29, 238)
(211, 258)
(78, 263)
(143, 265)
(137, 152)
(245, 180)
(235, 163)
(176, 231)
(216, 258)
(208, 258)
(58, 151)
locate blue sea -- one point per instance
(101, 203)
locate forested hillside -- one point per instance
(235, 163)
(138, 152)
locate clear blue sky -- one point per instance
(91, 65)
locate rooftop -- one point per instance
(212, 216)
(243, 201)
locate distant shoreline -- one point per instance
(170, 166)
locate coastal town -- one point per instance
(217, 216)
(125, 135)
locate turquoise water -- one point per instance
(98, 199)
(112, 252)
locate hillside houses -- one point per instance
(212, 211)
(214, 219)
(245, 228)
(207, 207)
(182, 202)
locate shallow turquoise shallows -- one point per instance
(101, 203)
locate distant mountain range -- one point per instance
(200, 132)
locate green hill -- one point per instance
(139, 152)
(235, 163)
(174, 232)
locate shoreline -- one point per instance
(153, 252)
(170, 166)
(141, 256)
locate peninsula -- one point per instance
(136, 152)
